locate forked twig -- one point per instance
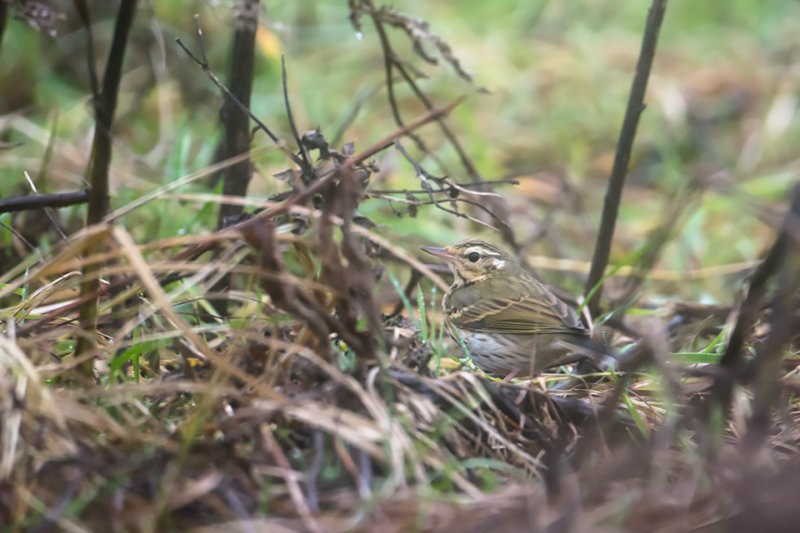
(203, 63)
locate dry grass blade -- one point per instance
(163, 304)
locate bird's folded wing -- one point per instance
(531, 312)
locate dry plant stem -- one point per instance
(768, 357)
(354, 275)
(423, 175)
(236, 121)
(355, 160)
(318, 185)
(306, 166)
(203, 63)
(42, 175)
(616, 182)
(295, 491)
(233, 115)
(388, 63)
(437, 203)
(104, 105)
(464, 186)
(391, 61)
(732, 364)
(40, 201)
(3, 19)
(83, 12)
(204, 243)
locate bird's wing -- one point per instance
(530, 308)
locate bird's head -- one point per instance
(473, 260)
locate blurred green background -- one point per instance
(718, 137)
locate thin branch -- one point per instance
(203, 63)
(437, 203)
(391, 61)
(47, 212)
(307, 168)
(732, 363)
(355, 160)
(18, 235)
(83, 13)
(40, 201)
(602, 250)
(784, 304)
(424, 176)
(460, 186)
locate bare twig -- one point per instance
(424, 177)
(464, 187)
(415, 29)
(605, 234)
(437, 203)
(355, 160)
(47, 212)
(768, 356)
(40, 201)
(307, 170)
(769, 369)
(203, 63)
(83, 13)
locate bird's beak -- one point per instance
(439, 252)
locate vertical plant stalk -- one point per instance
(236, 137)
(781, 329)
(105, 104)
(3, 19)
(616, 182)
(82, 8)
(235, 120)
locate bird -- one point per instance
(510, 323)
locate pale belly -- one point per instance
(500, 355)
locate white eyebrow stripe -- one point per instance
(483, 251)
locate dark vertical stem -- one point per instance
(104, 106)
(83, 12)
(602, 249)
(236, 123)
(782, 316)
(3, 20)
(733, 364)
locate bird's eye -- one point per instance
(473, 257)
